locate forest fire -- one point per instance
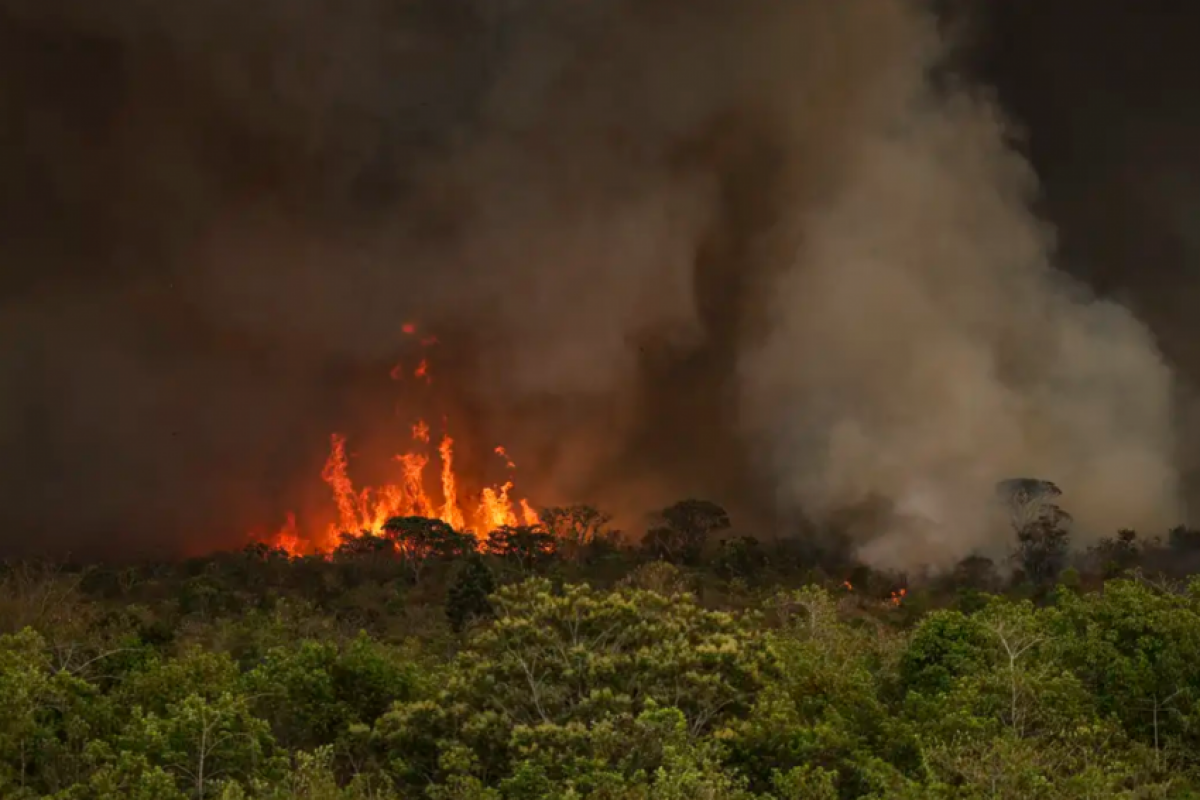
(368, 509)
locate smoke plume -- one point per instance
(774, 254)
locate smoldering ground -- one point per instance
(744, 251)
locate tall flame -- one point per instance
(451, 513)
(369, 509)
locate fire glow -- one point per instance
(367, 510)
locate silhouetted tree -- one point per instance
(1184, 540)
(1043, 541)
(977, 572)
(1042, 549)
(467, 597)
(421, 540)
(365, 558)
(526, 546)
(972, 580)
(576, 529)
(683, 528)
(1113, 556)
(363, 544)
(740, 557)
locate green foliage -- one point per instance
(1137, 648)
(36, 739)
(556, 663)
(200, 740)
(945, 646)
(742, 558)
(659, 577)
(824, 710)
(318, 692)
(311, 776)
(469, 595)
(411, 665)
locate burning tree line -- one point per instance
(578, 533)
(682, 533)
(374, 511)
(699, 536)
(378, 512)
(404, 518)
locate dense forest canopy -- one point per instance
(567, 660)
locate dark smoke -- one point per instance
(630, 224)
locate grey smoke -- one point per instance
(743, 251)
(924, 346)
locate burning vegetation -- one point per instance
(367, 510)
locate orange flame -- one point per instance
(530, 516)
(413, 465)
(451, 513)
(368, 509)
(335, 475)
(288, 537)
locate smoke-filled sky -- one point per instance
(790, 256)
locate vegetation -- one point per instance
(561, 661)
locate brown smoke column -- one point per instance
(745, 251)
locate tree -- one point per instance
(648, 757)
(201, 740)
(468, 596)
(364, 544)
(1008, 720)
(422, 540)
(575, 528)
(1041, 526)
(1184, 541)
(527, 546)
(313, 776)
(1042, 550)
(978, 573)
(29, 724)
(1114, 556)
(312, 692)
(681, 530)
(555, 664)
(945, 646)
(825, 709)
(1137, 648)
(740, 557)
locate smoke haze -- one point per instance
(774, 254)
